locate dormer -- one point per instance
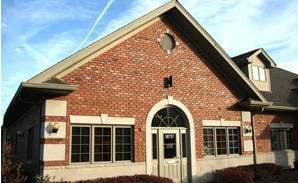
(256, 65)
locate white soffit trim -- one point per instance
(220, 122)
(281, 125)
(103, 119)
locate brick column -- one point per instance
(53, 145)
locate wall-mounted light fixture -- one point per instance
(168, 82)
(53, 127)
(20, 133)
(247, 130)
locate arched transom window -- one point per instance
(169, 117)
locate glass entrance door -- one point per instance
(169, 154)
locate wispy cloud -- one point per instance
(240, 26)
(35, 54)
(36, 34)
(45, 12)
(136, 9)
(96, 22)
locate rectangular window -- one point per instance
(234, 141)
(102, 144)
(281, 138)
(80, 144)
(169, 145)
(183, 141)
(255, 73)
(123, 144)
(289, 138)
(221, 140)
(29, 143)
(208, 141)
(94, 143)
(262, 74)
(154, 146)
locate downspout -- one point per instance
(41, 120)
(254, 140)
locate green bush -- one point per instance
(41, 179)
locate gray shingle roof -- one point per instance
(284, 86)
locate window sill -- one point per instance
(283, 151)
(209, 157)
(103, 164)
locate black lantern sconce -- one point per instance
(247, 130)
(168, 82)
(53, 128)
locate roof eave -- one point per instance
(269, 106)
(50, 86)
(281, 108)
(40, 87)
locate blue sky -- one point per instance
(39, 33)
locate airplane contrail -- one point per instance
(96, 22)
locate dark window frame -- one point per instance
(227, 141)
(113, 142)
(71, 144)
(281, 136)
(103, 136)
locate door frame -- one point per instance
(159, 162)
(170, 101)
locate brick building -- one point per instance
(158, 96)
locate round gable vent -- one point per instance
(167, 42)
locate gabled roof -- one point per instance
(260, 52)
(172, 11)
(194, 30)
(284, 84)
(239, 59)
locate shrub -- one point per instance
(41, 179)
(296, 164)
(12, 170)
(131, 179)
(267, 172)
(234, 175)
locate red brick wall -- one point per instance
(262, 122)
(127, 80)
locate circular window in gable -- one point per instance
(167, 42)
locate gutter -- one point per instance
(267, 106)
(281, 108)
(30, 85)
(255, 103)
(49, 86)
(254, 140)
